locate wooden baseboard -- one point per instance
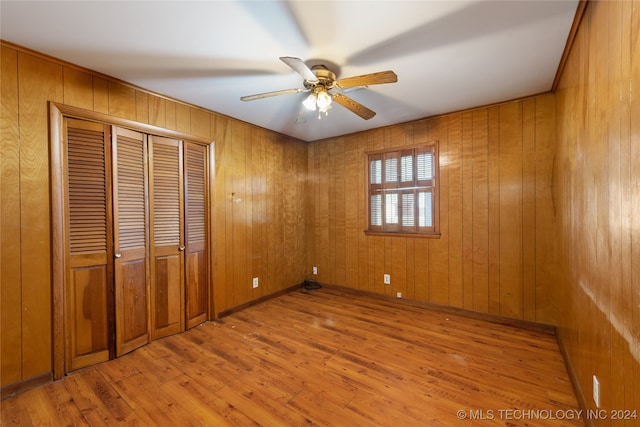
(247, 304)
(489, 317)
(22, 386)
(575, 382)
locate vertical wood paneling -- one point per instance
(28, 83)
(157, 111)
(258, 187)
(615, 92)
(331, 212)
(511, 210)
(273, 248)
(183, 118)
(480, 211)
(278, 230)
(352, 196)
(100, 95)
(454, 166)
(298, 225)
(34, 208)
(529, 209)
(439, 248)
(78, 88)
(122, 101)
(633, 204)
(398, 265)
(247, 201)
(467, 210)
(142, 107)
(221, 203)
(239, 214)
(493, 178)
(361, 222)
(229, 218)
(377, 260)
(10, 272)
(495, 204)
(200, 123)
(546, 254)
(596, 172)
(170, 115)
(339, 220)
(322, 212)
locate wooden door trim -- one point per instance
(81, 113)
(57, 113)
(59, 230)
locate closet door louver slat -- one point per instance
(131, 239)
(167, 256)
(89, 288)
(197, 296)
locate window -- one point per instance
(403, 190)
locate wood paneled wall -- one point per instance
(497, 249)
(539, 205)
(598, 200)
(261, 235)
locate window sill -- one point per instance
(402, 234)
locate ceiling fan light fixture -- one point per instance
(310, 102)
(324, 100)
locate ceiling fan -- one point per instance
(319, 80)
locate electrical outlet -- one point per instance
(399, 295)
(387, 279)
(255, 282)
(596, 391)
(315, 270)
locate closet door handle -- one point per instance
(117, 255)
(181, 248)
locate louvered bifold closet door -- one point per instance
(130, 239)
(167, 245)
(197, 288)
(89, 285)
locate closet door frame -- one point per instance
(59, 228)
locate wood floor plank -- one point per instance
(327, 358)
(98, 401)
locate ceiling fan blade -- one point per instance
(368, 79)
(353, 106)
(299, 67)
(269, 94)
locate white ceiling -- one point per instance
(448, 55)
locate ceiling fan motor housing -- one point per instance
(326, 78)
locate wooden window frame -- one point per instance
(400, 187)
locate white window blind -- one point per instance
(408, 209)
(391, 208)
(406, 167)
(425, 208)
(425, 166)
(391, 169)
(403, 190)
(376, 209)
(375, 172)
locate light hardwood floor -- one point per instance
(326, 357)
